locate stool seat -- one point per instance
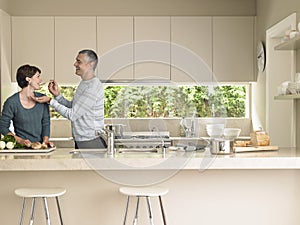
(40, 192)
(144, 191)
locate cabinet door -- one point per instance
(152, 47)
(33, 43)
(233, 49)
(115, 47)
(72, 34)
(191, 49)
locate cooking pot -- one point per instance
(221, 146)
(116, 128)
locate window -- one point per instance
(142, 101)
(175, 101)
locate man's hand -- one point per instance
(53, 88)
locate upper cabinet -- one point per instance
(33, 43)
(115, 47)
(72, 34)
(191, 49)
(152, 47)
(233, 49)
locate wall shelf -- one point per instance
(292, 44)
(287, 97)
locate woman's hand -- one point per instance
(47, 142)
(42, 99)
(22, 141)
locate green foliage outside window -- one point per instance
(168, 101)
(66, 91)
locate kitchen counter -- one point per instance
(233, 187)
(62, 159)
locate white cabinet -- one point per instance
(191, 49)
(152, 47)
(233, 49)
(33, 43)
(72, 34)
(115, 47)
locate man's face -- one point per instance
(81, 65)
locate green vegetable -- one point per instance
(2, 145)
(10, 145)
(8, 138)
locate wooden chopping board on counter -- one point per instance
(255, 148)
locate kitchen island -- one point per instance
(242, 188)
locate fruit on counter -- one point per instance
(2, 145)
(10, 145)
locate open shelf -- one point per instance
(292, 44)
(287, 97)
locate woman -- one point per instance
(31, 120)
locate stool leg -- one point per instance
(150, 210)
(162, 210)
(136, 211)
(59, 211)
(126, 210)
(22, 211)
(46, 211)
(32, 212)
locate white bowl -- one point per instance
(231, 133)
(215, 130)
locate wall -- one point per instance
(270, 12)
(7, 88)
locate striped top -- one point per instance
(85, 111)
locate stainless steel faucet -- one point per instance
(108, 136)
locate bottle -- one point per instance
(182, 130)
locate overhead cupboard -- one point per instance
(183, 49)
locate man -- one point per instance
(86, 110)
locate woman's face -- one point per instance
(35, 81)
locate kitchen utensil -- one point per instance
(220, 146)
(118, 129)
(255, 148)
(215, 130)
(231, 133)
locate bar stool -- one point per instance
(146, 192)
(43, 193)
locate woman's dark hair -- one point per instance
(25, 71)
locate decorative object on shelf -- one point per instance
(261, 56)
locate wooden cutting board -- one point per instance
(255, 148)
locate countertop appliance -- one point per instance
(143, 140)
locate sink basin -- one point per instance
(138, 150)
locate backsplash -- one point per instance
(61, 128)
